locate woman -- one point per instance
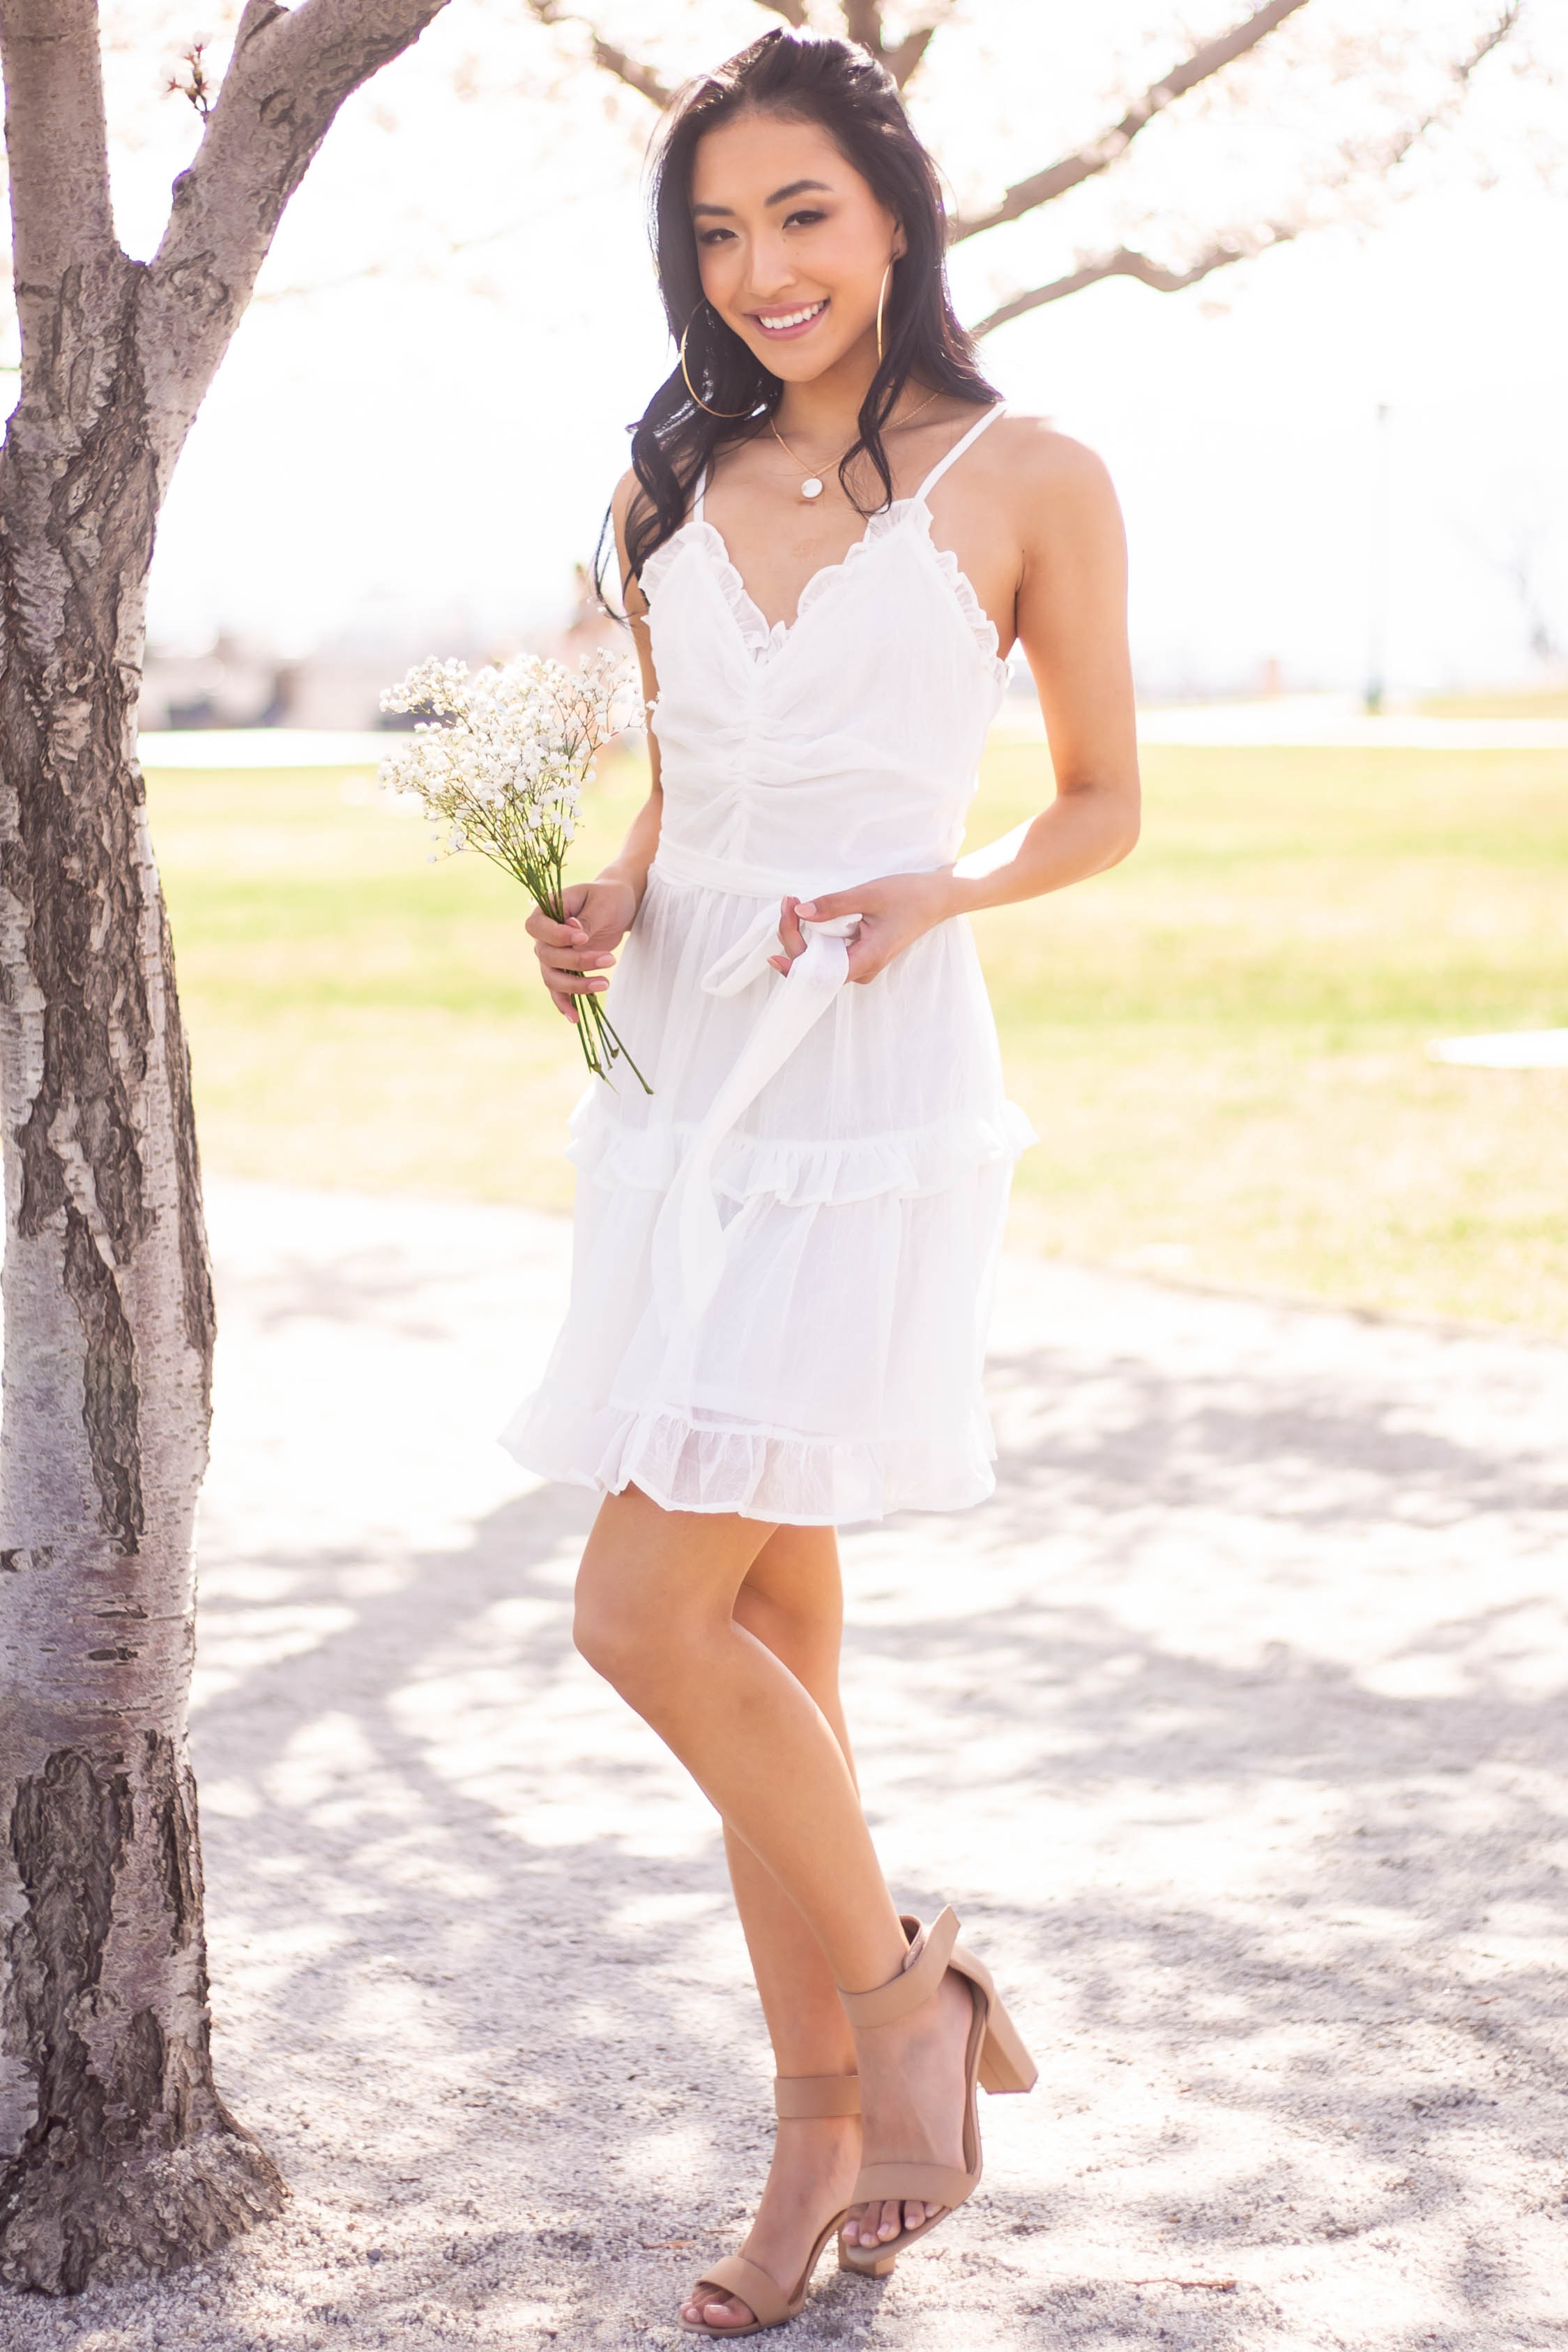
(829, 536)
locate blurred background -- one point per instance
(1310, 310)
(1355, 437)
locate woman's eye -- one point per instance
(804, 219)
(711, 235)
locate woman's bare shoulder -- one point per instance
(620, 497)
(1051, 486)
(627, 488)
(1040, 459)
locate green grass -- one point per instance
(1221, 1044)
(1539, 702)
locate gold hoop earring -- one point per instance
(881, 302)
(691, 387)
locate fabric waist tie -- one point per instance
(688, 1235)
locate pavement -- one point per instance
(1233, 1726)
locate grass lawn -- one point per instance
(1221, 1044)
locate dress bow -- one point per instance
(688, 1236)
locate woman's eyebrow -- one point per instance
(779, 196)
(797, 188)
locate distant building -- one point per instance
(340, 684)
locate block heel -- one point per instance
(1005, 2063)
(996, 2057)
(875, 2265)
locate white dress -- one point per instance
(783, 1257)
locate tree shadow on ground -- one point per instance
(479, 1987)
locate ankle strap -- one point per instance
(916, 1981)
(795, 2095)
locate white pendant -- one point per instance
(812, 487)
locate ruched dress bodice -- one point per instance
(783, 1256)
(835, 748)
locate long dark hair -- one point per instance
(809, 79)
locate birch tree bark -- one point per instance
(116, 2153)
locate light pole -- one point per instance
(1380, 522)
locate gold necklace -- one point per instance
(813, 487)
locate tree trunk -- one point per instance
(117, 2155)
(116, 2152)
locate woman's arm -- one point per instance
(575, 957)
(1072, 626)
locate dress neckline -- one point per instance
(768, 637)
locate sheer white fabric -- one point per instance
(783, 1258)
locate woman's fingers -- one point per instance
(540, 926)
(573, 956)
(574, 984)
(869, 953)
(570, 964)
(572, 969)
(790, 933)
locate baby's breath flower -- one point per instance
(498, 758)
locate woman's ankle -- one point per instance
(879, 1963)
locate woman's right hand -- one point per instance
(575, 956)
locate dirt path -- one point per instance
(1233, 1726)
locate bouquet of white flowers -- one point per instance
(499, 759)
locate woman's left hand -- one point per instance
(893, 913)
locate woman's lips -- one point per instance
(783, 326)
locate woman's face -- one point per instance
(791, 243)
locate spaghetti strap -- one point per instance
(956, 451)
(698, 495)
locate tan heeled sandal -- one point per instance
(996, 2060)
(794, 2095)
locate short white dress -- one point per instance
(783, 1257)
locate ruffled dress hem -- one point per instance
(911, 1164)
(710, 1467)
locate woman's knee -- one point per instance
(654, 1595)
(606, 1633)
(627, 1634)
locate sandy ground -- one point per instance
(1233, 1726)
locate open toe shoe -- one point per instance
(995, 2059)
(794, 2095)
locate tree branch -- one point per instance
(1125, 264)
(290, 72)
(65, 263)
(863, 23)
(1044, 187)
(607, 56)
(901, 60)
(1224, 250)
(632, 71)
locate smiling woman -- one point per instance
(786, 181)
(783, 1256)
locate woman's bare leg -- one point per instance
(656, 1598)
(656, 1614)
(792, 1603)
